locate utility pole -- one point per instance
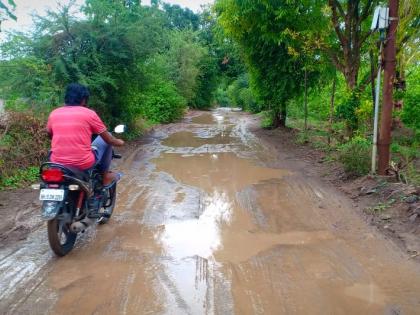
(306, 100)
(389, 76)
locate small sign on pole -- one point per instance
(380, 19)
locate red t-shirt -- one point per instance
(72, 128)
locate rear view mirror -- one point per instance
(120, 129)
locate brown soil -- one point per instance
(392, 207)
(18, 212)
(244, 226)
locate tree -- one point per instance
(408, 37)
(350, 21)
(340, 31)
(6, 11)
(264, 32)
(180, 19)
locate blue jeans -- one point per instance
(103, 154)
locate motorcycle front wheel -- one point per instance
(60, 237)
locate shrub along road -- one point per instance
(210, 219)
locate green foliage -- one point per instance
(267, 118)
(181, 18)
(19, 179)
(380, 207)
(163, 104)
(24, 143)
(355, 156)
(364, 112)
(406, 156)
(222, 98)
(241, 95)
(112, 51)
(184, 57)
(411, 108)
(207, 82)
(302, 137)
(7, 10)
(259, 28)
(143, 65)
(347, 110)
(405, 153)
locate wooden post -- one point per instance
(389, 76)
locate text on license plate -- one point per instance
(52, 194)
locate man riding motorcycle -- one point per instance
(71, 128)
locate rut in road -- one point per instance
(210, 221)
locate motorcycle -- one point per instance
(64, 192)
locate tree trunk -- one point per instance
(279, 119)
(283, 115)
(330, 130)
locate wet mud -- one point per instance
(209, 221)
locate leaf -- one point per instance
(6, 9)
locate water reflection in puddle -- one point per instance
(206, 119)
(189, 139)
(201, 236)
(191, 244)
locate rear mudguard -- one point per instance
(50, 209)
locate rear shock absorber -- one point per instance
(80, 203)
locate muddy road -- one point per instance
(210, 221)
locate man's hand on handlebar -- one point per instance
(110, 139)
(118, 142)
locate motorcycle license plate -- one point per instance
(51, 194)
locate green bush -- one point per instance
(23, 142)
(248, 101)
(355, 156)
(20, 178)
(411, 109)
(267, 118)
(163, 104)
(222, 98)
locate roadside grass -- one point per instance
(266, 119)
(380, 207)
(20, 178)
(354, 153)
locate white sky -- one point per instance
(25, 8)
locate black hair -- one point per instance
(75, 94)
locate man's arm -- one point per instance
(111, 140)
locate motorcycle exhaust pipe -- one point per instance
(81, 226)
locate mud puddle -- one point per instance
(206, 119)
(202, 226)
(189, 139)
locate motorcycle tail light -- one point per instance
(52, 175)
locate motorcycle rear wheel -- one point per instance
(61, 239)
(109, 207)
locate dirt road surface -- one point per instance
(210, 220)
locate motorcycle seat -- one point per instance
(75, 172)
